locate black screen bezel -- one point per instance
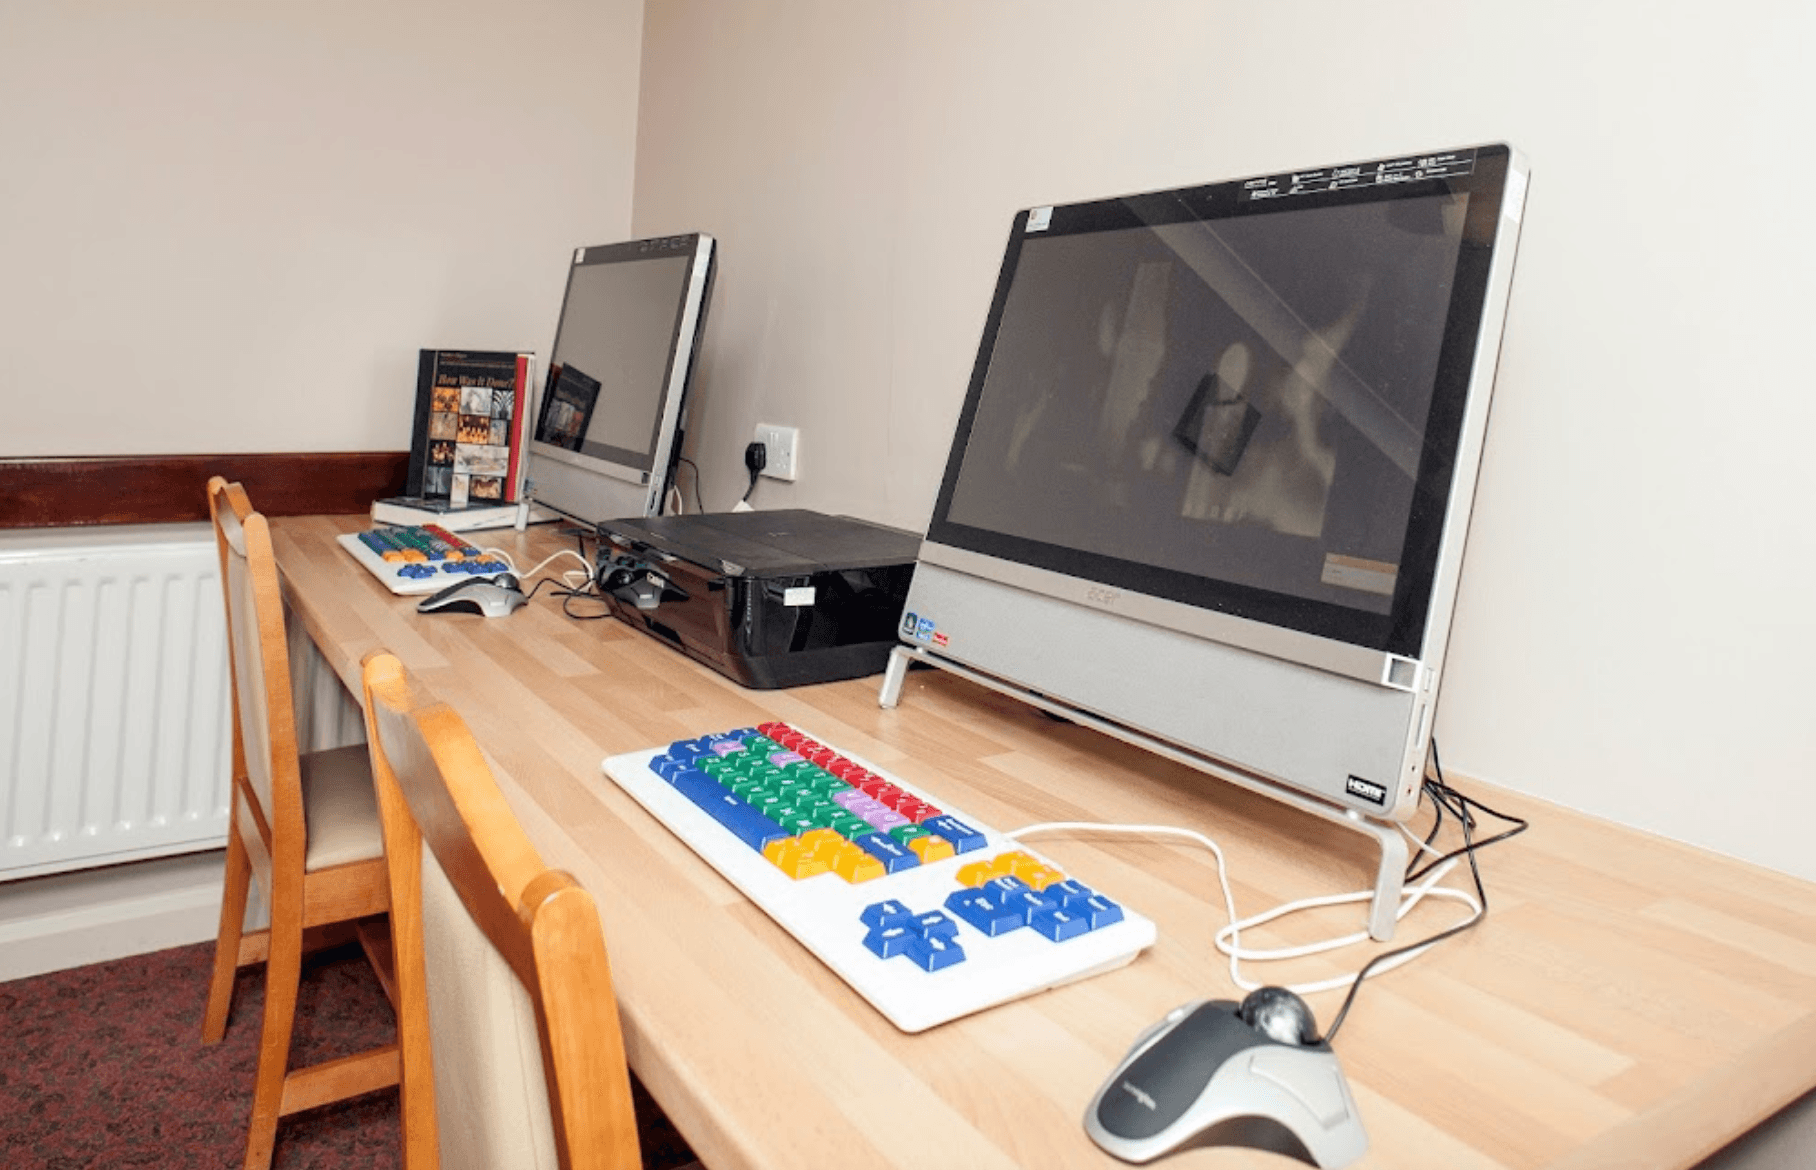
(1402, 630)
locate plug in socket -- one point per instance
(782, 445)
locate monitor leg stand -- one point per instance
(1383, 909)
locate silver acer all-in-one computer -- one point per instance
(608, 425)
(1212, 475)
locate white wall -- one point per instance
(1634, 632)
(229, 226)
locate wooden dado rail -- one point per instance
(148, 489)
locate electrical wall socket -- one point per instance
(782, 445)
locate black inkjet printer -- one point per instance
(768, 599)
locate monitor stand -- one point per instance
(1389, 877)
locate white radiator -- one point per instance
(114, 727)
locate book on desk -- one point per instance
(470, 429)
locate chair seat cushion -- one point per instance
(340, 807)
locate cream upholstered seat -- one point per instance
(512, 1054)
(339, 808)
(305, 825)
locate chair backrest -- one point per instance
(512, 1054)
(264, 721)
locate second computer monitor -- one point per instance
(608, 428)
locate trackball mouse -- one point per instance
(492, 596)
(1219, 1073)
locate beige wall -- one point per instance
(229, 226)
(1635, 629)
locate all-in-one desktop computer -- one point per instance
(1212, 475)
(608, 426)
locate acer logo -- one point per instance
(1098, 595)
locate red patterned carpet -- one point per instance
(103, 1066)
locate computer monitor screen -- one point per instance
(609, 424)
(1213, 469)
(1245, 400)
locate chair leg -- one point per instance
(234, 890)
(283, 971)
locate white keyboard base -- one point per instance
(822, 912)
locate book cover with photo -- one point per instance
(467, 444)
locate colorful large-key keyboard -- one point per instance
(925, 911)
(417, 559)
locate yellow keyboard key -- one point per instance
(1039, 877)
(932, 849)
(976, 874)
(855, 864)
(794, 859)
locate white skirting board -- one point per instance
(69, 920)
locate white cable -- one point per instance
(1416, 895)
(573, 578)
(1232, 933)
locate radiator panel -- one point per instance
(114, 725)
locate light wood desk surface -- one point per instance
(1628, 1002)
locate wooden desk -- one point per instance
(1628, 1002)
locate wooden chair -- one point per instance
(512, 1054)
(305, 825)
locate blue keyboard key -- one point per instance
(1004, 888)
(964, 838)
(1028, 903)
(987, 914)
(932, 953)
(883, 913)
(1058, 925)
(893, 854)
(675, 774)
(746, 823)
(886, 942)
(1070, 893)
(1099, 910)
(933, 923)
(696, 785)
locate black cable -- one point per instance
(699, 503)
(756, 457)
(567, 605)
(1442, 795)
(1461, 812)
(537, 588)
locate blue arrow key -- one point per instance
(890, 912)
(933, 923)
(886, 942)
(931, 953)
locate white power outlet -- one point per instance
(782, 445)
